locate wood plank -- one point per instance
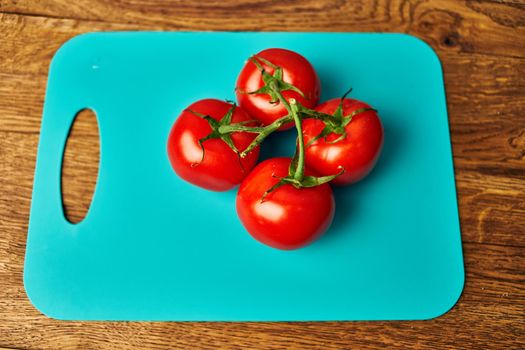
(466, 26)
(492, 208)
(486, 103)
(21, 102)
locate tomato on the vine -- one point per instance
(356, 151)
(296, 71)
(214, 166)
(288, 217)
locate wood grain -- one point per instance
(449, 23)
(482, 48)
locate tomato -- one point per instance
(220, 169)
(296, 71)
(357, 152)
(287, 218)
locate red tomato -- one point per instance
(288, 218)
(220, 169)
(357, 153)
(296, 71)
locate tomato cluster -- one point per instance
(285, 203)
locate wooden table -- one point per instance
(482, 48)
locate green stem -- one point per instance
(293, 109)
(299, 171)
(310, 113)
(227, 129)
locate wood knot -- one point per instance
(451, 40)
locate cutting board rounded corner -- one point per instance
(39, 303)
(70, 45)
(454, 297)
(423, 45)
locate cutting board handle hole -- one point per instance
(80, 165)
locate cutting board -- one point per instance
(153, 247)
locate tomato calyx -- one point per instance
(272, 82)
(215, 133)
(273, 86)
(305, 182)
(336, 123)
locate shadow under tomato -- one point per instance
(279, 144)
(334, 84)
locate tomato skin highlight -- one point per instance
(288, 218)
(297, 71)
(357, 153)
(220, 170)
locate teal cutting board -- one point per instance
(153, 247)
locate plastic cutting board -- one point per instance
(153, 247)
